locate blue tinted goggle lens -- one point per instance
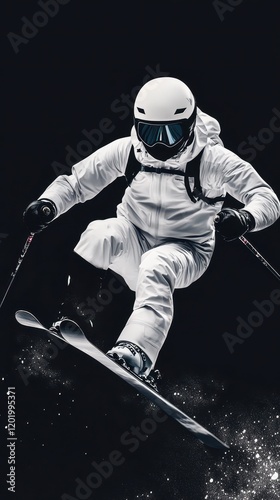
(168, 134)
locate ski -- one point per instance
(74, 336)
(26, 318)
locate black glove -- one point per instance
(39, 214)
(232, 223)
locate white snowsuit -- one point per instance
(160, 240)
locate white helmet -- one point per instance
(164, 117)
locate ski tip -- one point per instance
(19, 312)
(22, 314)
(26, 318)
(70, 328)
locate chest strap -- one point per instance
(192, 171)
(163, 170)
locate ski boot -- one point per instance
(133, 359)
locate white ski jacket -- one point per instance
(158, 204)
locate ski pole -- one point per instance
(259, 256)
(13, 275)
(255, 252)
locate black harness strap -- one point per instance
(172, 171)
(191, 171)
(132, 167)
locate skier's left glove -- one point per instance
(39, 214)
(232, 223)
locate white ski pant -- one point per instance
(152, 271)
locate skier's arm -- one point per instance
(242, 182)
(89, 177)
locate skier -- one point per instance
(163, 235)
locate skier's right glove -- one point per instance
(39, 214)
(232, 223)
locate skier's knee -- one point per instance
(105, 233)
(156, 267)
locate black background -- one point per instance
(71, 412)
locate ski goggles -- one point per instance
(162, 133)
